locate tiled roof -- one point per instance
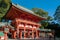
(27, 10)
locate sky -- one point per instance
(47, 5)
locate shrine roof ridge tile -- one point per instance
(22, 8)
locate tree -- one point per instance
(4, 7)
(57, 15)
(43, 13)
(49, 18)
(56, 27)
(40, 12)
(46, 22)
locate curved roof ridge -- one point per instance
(22, 8)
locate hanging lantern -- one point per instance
(34, 26)
(21, 25)
(30, 26)
(27, 26)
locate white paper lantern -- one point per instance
(26, 26)
(30, 26)
(34, 26)
(21, 25)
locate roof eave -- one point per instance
(27, 10)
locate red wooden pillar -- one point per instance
(32, 33)
(5, 36)
(17, 27)
(20, 34)
(14, 34)
(29, 34)
(24, 32)
(36, 33)
(17, 31)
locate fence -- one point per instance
(34, 39)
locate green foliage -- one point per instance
(49, 18)
(40, 12)
(57, 15)
(45, 23)
(43, 13)
(42, 27)
(4, 7)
